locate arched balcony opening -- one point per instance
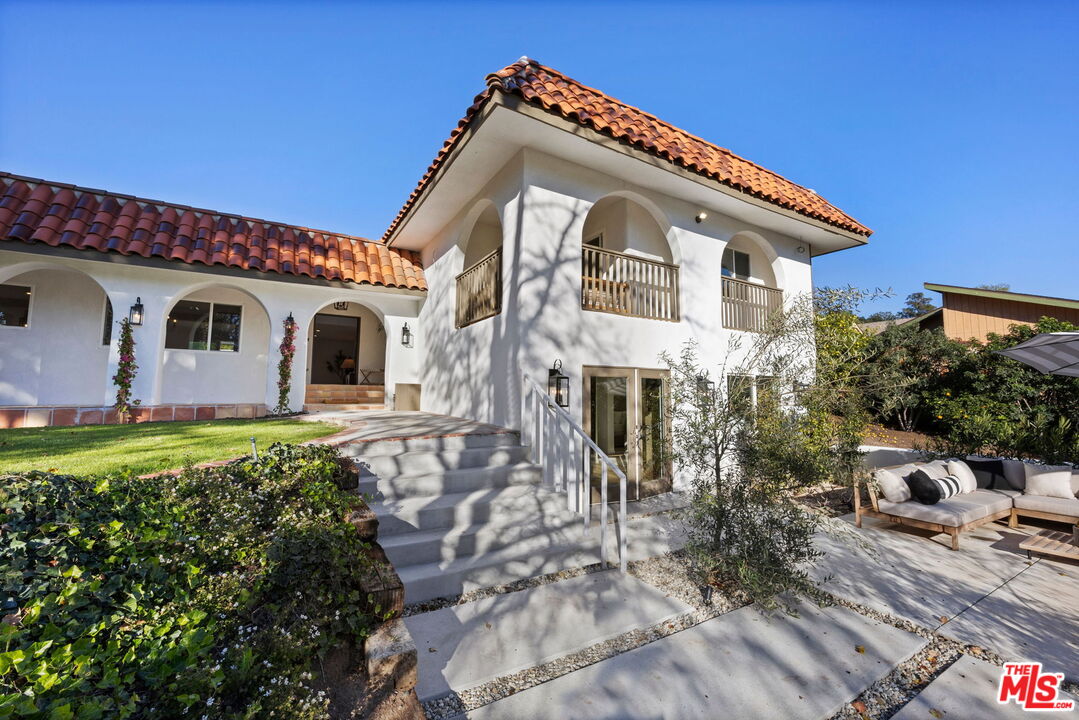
(627, 266)
(479, 285)
(751, 296)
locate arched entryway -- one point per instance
(346, 356)
(56, 325)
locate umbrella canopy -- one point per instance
(1055, 353)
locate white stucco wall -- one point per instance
(40, 366)
(207, 376)
(32, 370)
(544, 202)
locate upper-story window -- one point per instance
(195, 325)
(735, 264)
(15, 305)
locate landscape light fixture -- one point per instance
(700, 217)
(135, 316)
(558, 385)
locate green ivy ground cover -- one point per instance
(146, 447)
(208, 595)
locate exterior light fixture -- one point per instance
(705, 385)
(290, 320)
(406, 336)
(700, 217)
(340, 306)
(558, 385)
(801, 249)
(135, 316)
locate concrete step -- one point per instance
(467, 645)
(419, 462)
(448, 544)
(529, 556)
(451, 481)
(515, 503)
(330, 407)
(397, 446)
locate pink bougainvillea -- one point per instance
(284, 367)
(125, 372)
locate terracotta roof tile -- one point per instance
(551, 90)
(56, 214)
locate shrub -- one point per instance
(206, 595)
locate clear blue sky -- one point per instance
(950, 129)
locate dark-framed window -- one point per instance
(106, 331)
(735, 264)
(15, 305)
(199, 325)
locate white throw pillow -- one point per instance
(1015, 474)
(1049, 481)
(892, 485)
(966, 476)
(938, 469)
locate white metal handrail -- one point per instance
(547, 421)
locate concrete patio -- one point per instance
(986, 594)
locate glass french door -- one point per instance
(623, 414)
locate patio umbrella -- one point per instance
(1053, 353)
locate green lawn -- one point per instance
(145, 448)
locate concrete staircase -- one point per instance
(344, 397)
(466, 511)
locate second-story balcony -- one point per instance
(749, 306)
(622, 284)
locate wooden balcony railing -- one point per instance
(479, 290)
(626, 285)
(748, 306)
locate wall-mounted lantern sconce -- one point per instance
(700, 217)
(340, 306)
(558, 385)
(135, 316)
(705, 385)
(406, 336)
(290, 320)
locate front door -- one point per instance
(623, 414)
(335, 346)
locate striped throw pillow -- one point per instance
(949, 485)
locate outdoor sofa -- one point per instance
(983, 490)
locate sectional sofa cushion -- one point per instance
(936, 469)
(988, 472)
(1049, 481)
(953, 512)
(1040, 503)
(1015, 473)
(959, 469)
(893, 484)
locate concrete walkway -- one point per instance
(375, 425)
(968, 689)
(467, 645)
(988, 593)
(739, 665)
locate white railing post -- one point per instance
(586, 498)
(603, 516)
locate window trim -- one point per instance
(209, 329)
(596, 236)
(29, 307)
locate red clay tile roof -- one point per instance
(60, 215)
(554, 92)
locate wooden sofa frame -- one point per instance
(1013, 521)
(953, 531)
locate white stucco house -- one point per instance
(556, 223)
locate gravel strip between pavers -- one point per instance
(887, 696)
(669, 573)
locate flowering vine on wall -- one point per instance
(284, 367)
(125, 372)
